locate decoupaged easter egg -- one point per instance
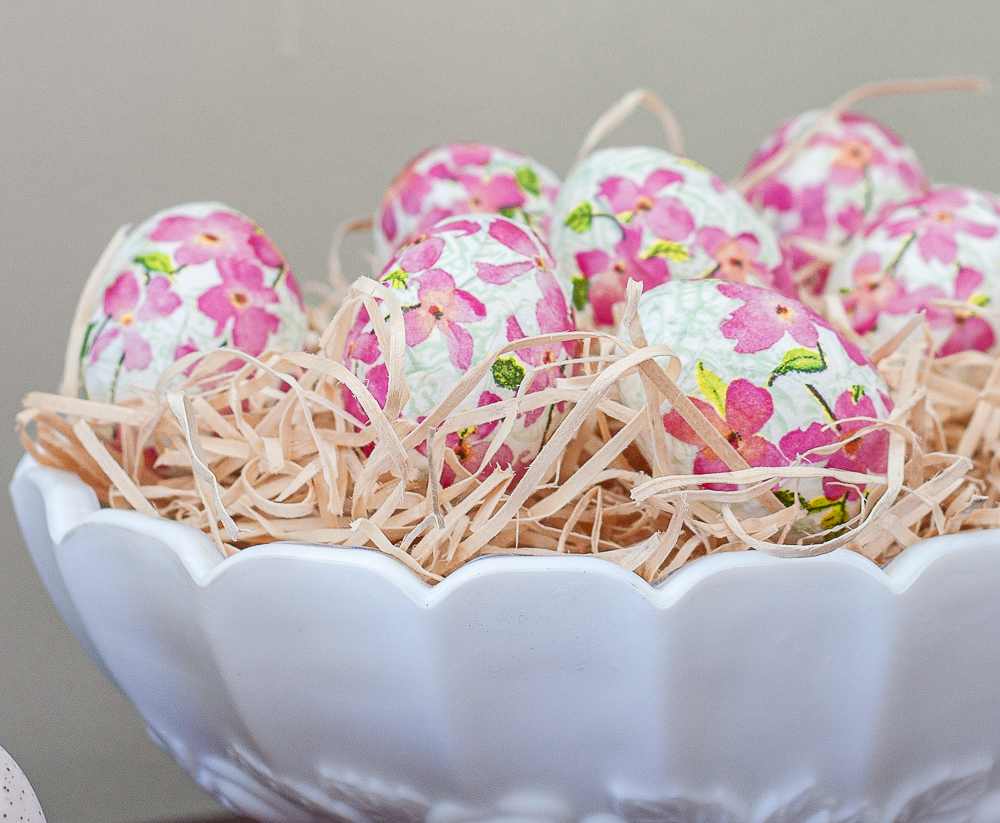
(645, 214)
(830, 187)
(468, 286)
(190, 278)
(779, 384)
(18, 803)
(938, 253)
(463, 178)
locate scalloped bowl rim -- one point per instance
(70, 504)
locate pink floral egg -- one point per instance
(463, 178)
(468, 286)
(833, 185)
(776, 380)
(644, 214)
(190, 278)
(938, 253)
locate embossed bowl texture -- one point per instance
(299, 682)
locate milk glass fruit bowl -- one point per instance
(298, 682)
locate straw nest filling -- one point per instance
(268, 452)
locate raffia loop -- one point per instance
(620, 112)
(255, 449)
(832, 112)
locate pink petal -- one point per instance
(466, 227)
(160, 300)
(460, 344)
(266, 251)
(175, 228)
(748, 407)
(413, 193)
(937, 244)
(500, 192)
(418, 325)
(513, 237)
(967, 281)
(551, 310)
(388, 222)
(470, 154)
(215, 303)
(973, 334)
(377, 380)
(138, 355)
(501, 275)
(710, 238)
(251, 330)
(670, 220)
(620, 192)
(592, 262)
(467, 308)
(121, 296)
(658, 180)
(420, 256)
(102, 342)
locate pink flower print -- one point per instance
(765, 317)
(971, 331)
(471, 154)
(517, 240)
(442, 306)
(867, 454)
(553, 316)
(772, 194)
(608, 276)
(220, 234)
(637, 205)
(851, 159)
(125, 305)
(938, 224)
(362, 344)
(241, 297)
(735, 257)
(851, 218)
(422, 252)
(377, 381)
(747, 408)
(876, 291)
(470, 445)
(388, 222)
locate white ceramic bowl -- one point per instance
(299, 682)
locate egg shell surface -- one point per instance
(646, 214)
(776, 381)
(18, 803)
(463, 178)
(944, 245)
(834, 184)
(190, 278)
(469, 286)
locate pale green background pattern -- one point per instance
(299, 113)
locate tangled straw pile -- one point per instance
(268, 452)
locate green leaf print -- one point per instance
(397, 278)
(857, 392)
(508, 373)
(712, 387)
(837, 516)
(801, 360)
(977, 298)
(528, 180)
(580, 218)
(581, 288)
(509, 212)
(156, 261)
(670, 250)
(786, 497)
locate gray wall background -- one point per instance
(299, 113)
